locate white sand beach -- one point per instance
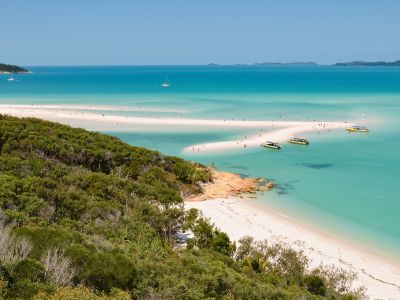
(273, 135)
(88, 117)
(239, 217)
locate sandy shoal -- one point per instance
(87, 116)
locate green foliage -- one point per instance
(12, 69)
(81, 293)
(206, 236)
(31, 270)
(108, 270)
(315, 285)
(84, 209)
(23, 279)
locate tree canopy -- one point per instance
(85, 216)
(12, 69)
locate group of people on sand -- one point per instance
(245, 141)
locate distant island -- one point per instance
(372, 64)
(308, 63)
(7, 69)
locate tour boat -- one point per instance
(271, 145)
(357, 129)
(10, 79)
(299, 141)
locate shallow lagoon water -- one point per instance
(342, 182)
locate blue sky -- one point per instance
(90, 32)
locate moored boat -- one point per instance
(299, 141)
(271, 145)
(165, 83)
(357, 129)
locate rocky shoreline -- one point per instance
(225, 184)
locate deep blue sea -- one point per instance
(345, 183)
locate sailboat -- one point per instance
(165, 83)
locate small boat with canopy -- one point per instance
(299, 141)
(271, 145)
(357, 128)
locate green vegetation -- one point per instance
(298, 64)
(85, 216)
(370, 64)
(12, 69)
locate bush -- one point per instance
(30, 269)
(315, 285)
(81, 293)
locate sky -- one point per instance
(188, 32)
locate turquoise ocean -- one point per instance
(346, 184)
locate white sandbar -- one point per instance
(86, 116)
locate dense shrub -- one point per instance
(85, 216)
(12, 69)
(315, 285)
